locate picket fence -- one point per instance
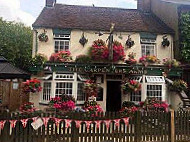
(142, 127)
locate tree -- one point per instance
(16, 43)
(185, 35)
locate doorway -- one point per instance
(113, 100)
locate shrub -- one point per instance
(178, 86)
(83, 59)
(38, 59)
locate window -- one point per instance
(46, 91)
(154, 91)
(135, 96)
(80, 93)
(148, 49)
(63, 88)
(61, 42)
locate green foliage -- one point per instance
(16, 43)
(185, 35)
(38, 59)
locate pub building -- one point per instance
(65, 25)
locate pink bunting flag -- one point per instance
(117, 122)
(2, 124)
(68, 123)
(107, 122)
(78, 123)
(88, 124)
(98, 123)
(57, 121)
(45, 120)
(24, 122)
(34, 119)
(13, 123)
(126, 121)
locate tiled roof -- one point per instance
(183, 2)
(100, 19)
(8, 71)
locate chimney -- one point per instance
(144, 5)
(50, 3)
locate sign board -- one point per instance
(37, 124)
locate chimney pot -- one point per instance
(144, 5)
(50, 3)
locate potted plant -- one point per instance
(149, 59)
(83, 40)
(61, 56)
(32, 85)
(131, 60)
(38, 59)
(64, 103)
(178, 86)
(165, 42)
(131, 86)
(130, 42)
(43, 37)
(171, 63)
(27, 107)
(153, 104)
(118, 52)
(99, 51)
(90, 88)
(92, 108)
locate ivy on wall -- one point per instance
(185, 35)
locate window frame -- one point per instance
(148, 44)
(61, 38)
(42, 93)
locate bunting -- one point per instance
(78, 123)
(45, 120)
(67, 122)
(24, 122)
(2, 124)
(13, 123)
(57, 121)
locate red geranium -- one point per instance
(32, 85)
(61, 56)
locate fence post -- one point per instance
(172, 126)
(137, 130)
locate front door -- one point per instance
(113, 101)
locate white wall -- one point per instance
(47, 48)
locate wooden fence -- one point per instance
(142, 127)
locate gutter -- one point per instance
(36, 41)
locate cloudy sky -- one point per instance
(26, 11)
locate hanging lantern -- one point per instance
(83, 40)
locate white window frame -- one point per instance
(61, 38)
(162, 83)
(51, 92)
(136, 94)
(79, 101)
(63, 81)
(146, 46)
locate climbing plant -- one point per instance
(185, 35)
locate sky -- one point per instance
(26, 11)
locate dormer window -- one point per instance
(61, 39)
(148, 44)
(147, 47)
(62, 42)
